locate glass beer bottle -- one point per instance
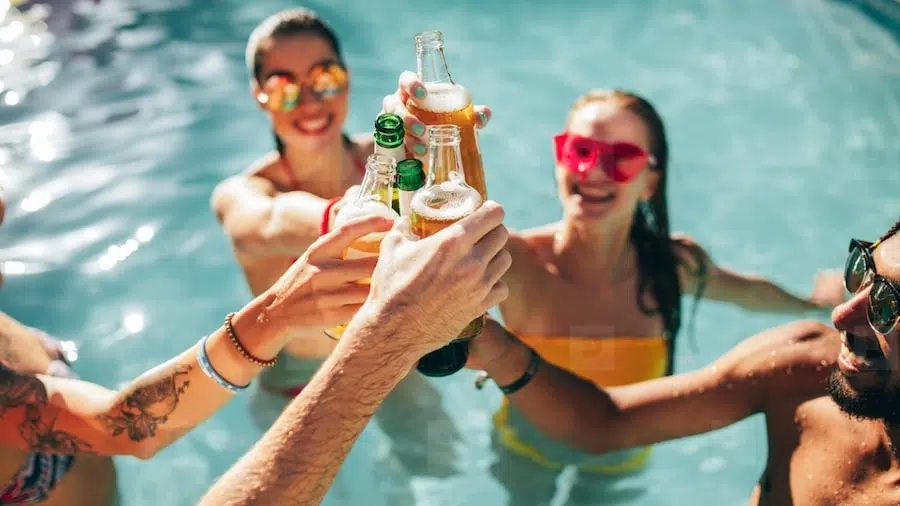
(410, 178)
(444, 200)
(373, 199)
(447, 103)
(388, 135)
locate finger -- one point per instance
(498, 293)
(414, 130)
(333, 244)
(410, 86)
(339, 315)
(348, 294)
(483, 115)
(491, 244)
(401, 232)
(345, 271)
(476, 225)
(497, 267)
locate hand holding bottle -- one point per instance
(436, 286)
(410, 87)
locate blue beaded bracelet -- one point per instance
(208, 369)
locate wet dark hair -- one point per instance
(287, 23)
(890, 233)
(650, 234)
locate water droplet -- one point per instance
(824, 363)
(773, 352)
(809, 476)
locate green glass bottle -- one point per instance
(410, 177)
(389, 142)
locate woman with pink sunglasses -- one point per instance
(599, 293)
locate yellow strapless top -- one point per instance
(605, 361)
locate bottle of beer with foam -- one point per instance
(388, 135)
(444, 200)
(374, 199)
(447, 102)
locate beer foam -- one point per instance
(445, 97)
(361, 208)
(445, 205)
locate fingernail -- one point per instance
(418, 129)
(483, 118)
(419, 91)
(419, 149)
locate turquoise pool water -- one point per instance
(784, 118)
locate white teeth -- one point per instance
(313, 124)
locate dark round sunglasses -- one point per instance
(884, 298)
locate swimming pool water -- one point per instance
(784, 120)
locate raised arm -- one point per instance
(58, 415)
(700, 275)
(261, 221)
(785, 362)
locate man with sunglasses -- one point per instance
(831, 397)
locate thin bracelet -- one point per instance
(519, 383)
(232, 335)
(526, 378)
(210, 371)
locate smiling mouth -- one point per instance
(860, 354)
(314, 126)
(593, 195)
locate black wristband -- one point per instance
(526, 377)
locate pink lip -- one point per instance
(845, 365)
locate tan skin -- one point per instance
(66, 416)
(270, 224)
(818, 455)
(92, 479)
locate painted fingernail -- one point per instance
(483, 118)
(419, 91)
(418, 128)
(419, 149)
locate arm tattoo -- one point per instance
(148, 406)
(37, 427)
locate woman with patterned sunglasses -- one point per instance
(599, 293)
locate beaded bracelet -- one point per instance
(232, 335)
(210, 371)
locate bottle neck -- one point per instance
(432, 65)
(378, 183)
(443, 160)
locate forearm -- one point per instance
(596, 420)
(67, 416)
(297, 459)
(761, 295)
(292, 223)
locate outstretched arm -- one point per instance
(700, 275)
(56, 415)
(784, 362)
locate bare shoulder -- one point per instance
(262, 177)
(790, 361)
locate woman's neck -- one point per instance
(321, 167)
(594, 252)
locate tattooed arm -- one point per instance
(56, 415)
